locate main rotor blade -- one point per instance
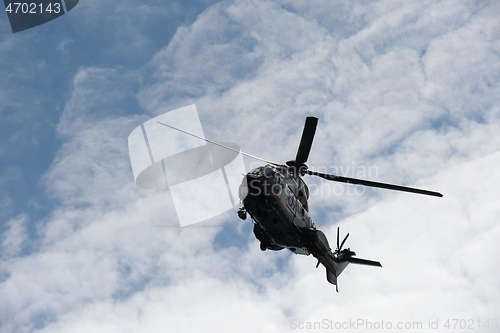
(372, 184)
(306, 140)
(218, 144)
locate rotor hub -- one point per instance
(293, 167)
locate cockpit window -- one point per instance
(304, 188)
(268, 171)
(257, 171)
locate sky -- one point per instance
(405, 92)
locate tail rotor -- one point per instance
(339, 247)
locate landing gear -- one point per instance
(242, 214)
(266, 242)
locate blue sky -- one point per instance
(410, 88)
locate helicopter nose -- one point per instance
(243, 189)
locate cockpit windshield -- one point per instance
(267, 171)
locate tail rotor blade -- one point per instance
(342, 244)
(338, 231)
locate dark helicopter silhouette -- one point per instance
(275, 196)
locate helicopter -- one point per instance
(276, 198)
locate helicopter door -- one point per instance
(291, 201)
(299, 215)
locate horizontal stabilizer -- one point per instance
(360, 261)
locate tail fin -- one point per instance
(331, 276)
(334, 266)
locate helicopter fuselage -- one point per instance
(277, 202)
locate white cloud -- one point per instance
(122, 24)
(13, 239)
